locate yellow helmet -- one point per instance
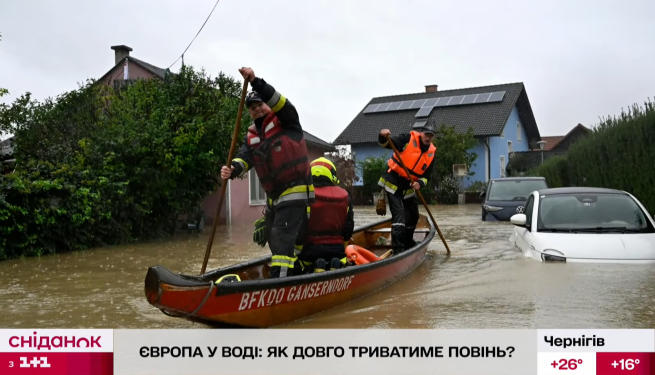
(323, 167)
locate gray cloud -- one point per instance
(579, 59)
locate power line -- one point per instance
(194, 38)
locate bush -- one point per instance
(59, 208)
(98, 166)
(477, 187)
(554, 170)
(448, 190)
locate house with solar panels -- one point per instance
(500, 115)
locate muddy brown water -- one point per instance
(484, 283)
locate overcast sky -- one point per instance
(578, 59)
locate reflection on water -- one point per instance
(484, 283)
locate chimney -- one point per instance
(431, 88)
(121, 53)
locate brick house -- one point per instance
(555, 146)
(563, 142)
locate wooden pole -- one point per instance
(418, 192)
(225, 182)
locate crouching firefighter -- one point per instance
(275, 147)
(418, 154)
(331, 222)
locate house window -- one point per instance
(257, 193)
(518, 132)
(509, 147)
(502, 133)
(502, 166)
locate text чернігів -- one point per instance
(580, 341)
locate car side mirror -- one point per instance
(519, 220)
(483, 194)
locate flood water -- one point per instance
(484, 283)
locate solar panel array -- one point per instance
(425, 106)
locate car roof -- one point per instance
(580, 190)
(517, 178)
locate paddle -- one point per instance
(224, 186)
(418, 192)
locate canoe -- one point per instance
(259, 302)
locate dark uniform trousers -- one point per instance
(286, 227)
(310, 254)
(404, 214)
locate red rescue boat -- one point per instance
(257, 301)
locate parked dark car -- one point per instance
(506, 196)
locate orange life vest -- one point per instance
(328, 216)
(414, 159)
(278, 159)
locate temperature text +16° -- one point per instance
(626, 364)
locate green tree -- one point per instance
(453, 148)
(346, 169)
(372, 169)
(97, 166)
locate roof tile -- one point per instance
(486, 119)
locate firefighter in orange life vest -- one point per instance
(275, 147)
(417, 153)
(331, 223)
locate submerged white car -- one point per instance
(581, 224)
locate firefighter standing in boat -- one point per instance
(275, 147)
(417, 153)
(331, 223)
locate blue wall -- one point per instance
(364, 151)
(498, 146)
(479, 165)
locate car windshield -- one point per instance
(592, 213)
(514, 190)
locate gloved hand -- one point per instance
(259, 236)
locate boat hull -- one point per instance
(271, 302)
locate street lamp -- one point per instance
(541, 146)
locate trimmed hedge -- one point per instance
(618, 154)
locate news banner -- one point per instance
(326, 351)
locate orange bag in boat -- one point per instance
(359, 255)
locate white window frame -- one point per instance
(502, 133)
(503, 173)
(510, 149)
(518, 132)
(258, 188)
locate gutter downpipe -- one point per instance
(486, 143)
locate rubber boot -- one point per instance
(320, 265)
(229, 279)
(335, 264)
